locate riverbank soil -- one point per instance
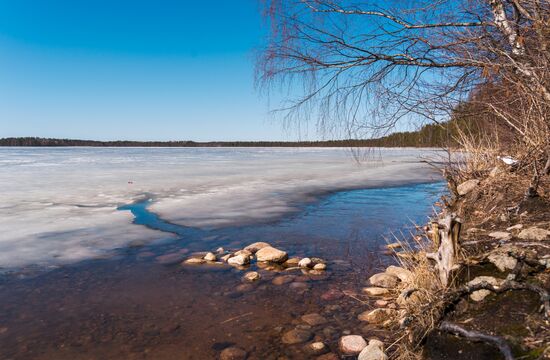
(505, 239)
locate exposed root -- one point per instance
(497, 341)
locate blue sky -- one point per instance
(143, 70)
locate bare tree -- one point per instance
(363, 67)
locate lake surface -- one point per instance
(86, 231)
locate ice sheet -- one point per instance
(59, 204)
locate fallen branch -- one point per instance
(497, 341)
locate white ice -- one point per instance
(59, 204)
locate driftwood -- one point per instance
(445, 234)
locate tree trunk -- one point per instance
(446, 235)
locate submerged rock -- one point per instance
(194, 261)
(377, 316)
(314, 319)
(283, 279)
(271, 254)
(253, 248)
(384, 280)
(316, 348)
(233, 353)
(352, 344)
(329, 356)
(171, 258)
(467, 186)
(373, 351)
(297, 336)
(251, 276)
(534, 233)
(375, 291)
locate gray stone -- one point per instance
(351, 344)
(467, 186)
(384, 280)
(320, 267)
(209, 257)
(271, 254)
(375, 291)
(316, 348)
(502, 261)
(534, 233)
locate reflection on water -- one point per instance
(133, 307)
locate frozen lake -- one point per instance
(60, 204)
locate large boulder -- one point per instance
(271, 254)
(467, 186)
(534, 233)
(352, 344)
(373, 351)
(238, 260)
(384, 280)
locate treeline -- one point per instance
(428, 136)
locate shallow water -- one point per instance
(130, 306)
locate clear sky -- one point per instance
(132, 69)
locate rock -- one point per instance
(283, 279)
(233, 353)
(534, 233)
(297, 336)
(243, 252)
(377, 316)
(403, 274)
(373, 351)
(238, 260)
(251, 276)
(317, 260)
(467, 186)
(500, 235)
(479, 295)
(220, 250)
(271, 254)
(194, 261)
(320, 267)
(226, 257)
(316, 348)
(351, 344)
(381, 303)
(384, 280)
(292, 262)
(314, 319)
(411, 297)
(495, 171)
(253, 248)
(375, 291)
(502, 261)
(209, 257)
(305, 263)
(244, 287)
(299, 286)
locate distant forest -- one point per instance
(431, 135)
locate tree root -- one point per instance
(466, 289)
(497, 341)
